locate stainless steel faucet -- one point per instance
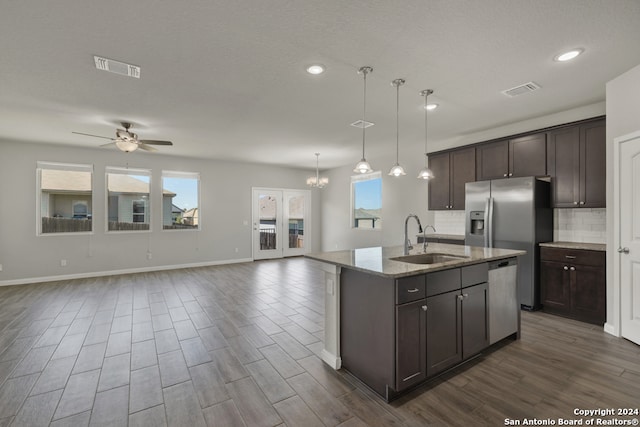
(407, 242)
(424, 236)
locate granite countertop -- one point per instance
(444, 236)
(377, 260)
(576, 245)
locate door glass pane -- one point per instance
(296, 222)
(268, 213)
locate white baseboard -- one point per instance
(611, 329)
(116, 272)
(331, 359)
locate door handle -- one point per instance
(623, 250)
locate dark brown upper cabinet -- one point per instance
(523, 156)
(576, 161)
(451, 170)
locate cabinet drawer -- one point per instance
(573, 256)
(443, 281)
(474, 274)
(410, 289)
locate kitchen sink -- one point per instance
(428, 258)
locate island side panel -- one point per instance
(331, 351)
(367, 328)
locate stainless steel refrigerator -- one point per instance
(512, 213)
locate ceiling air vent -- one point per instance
(519, 90)
(361, 124)
(117, 67)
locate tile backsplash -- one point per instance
(569, 225)
(580, 225)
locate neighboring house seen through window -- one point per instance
(366, 201)
(65, 198)
(181, 200)
(128, 206)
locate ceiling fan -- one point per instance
(128, 141)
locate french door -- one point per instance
(280, 222)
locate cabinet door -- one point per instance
(492, 160)
(588, 299)
(475, 330)
(411, 346)
(439, 184)
(593, 167)
(444, 340)
(463, 170)
(555, 291)
(564, 166)
(528, 155)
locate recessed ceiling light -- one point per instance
(315, 69)
(568, 56)
(430, 107)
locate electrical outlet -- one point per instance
(149, 255)
(63, 263)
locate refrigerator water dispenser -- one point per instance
(477, 223)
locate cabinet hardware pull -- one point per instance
(460, 297)
(424, 308)
(572, 269)
(504, 175)
(570, 257)
(566, 268)
(510, 174)
(465, 295)
(575, 203)
(412, 290)
(582, 203)
(623, 250)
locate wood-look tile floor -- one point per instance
(238, 345)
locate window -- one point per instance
(128, 206)
(366, 201)
(64, 198)
(180, 200)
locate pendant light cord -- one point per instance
(397, 122)
(364, 109)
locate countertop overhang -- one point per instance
(376, 260)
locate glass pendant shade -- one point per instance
(397, 170)
(363, 166)
(425, 173)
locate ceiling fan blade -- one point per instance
(155, 142)
(145, 147)
(108, 145)
(95, 136)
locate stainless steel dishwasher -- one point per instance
(503, 299)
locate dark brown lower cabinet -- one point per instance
(444, 340)
(411, 346)
(573, 283)
(475, 328)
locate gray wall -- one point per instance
(623, 117)
(225, 205)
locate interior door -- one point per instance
(629, 217)
(280, 220)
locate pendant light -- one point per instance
(317, 181)
(397, 170)
(363, 166)
(425, 173)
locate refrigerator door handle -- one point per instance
(490, 231)
(487, 224)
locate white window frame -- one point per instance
(360, 178)
(148, 211)
(182, 175)
(73, 167)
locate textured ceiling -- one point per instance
(226, 79)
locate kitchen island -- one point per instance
(395, 321)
